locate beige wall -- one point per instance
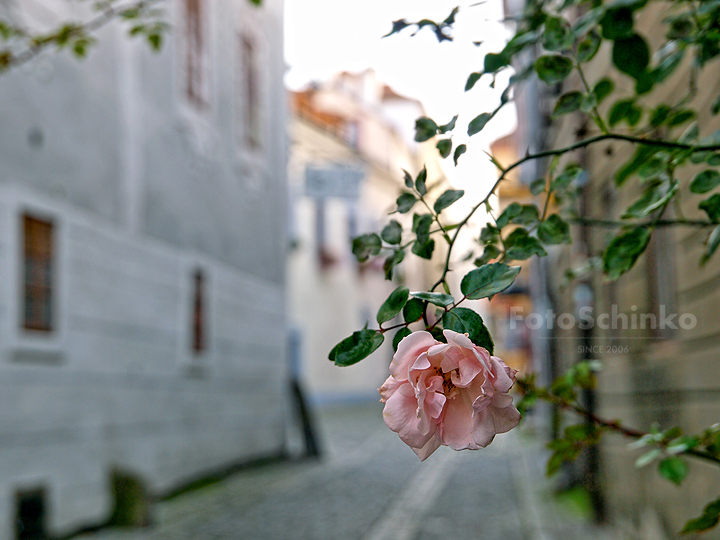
(672, 379)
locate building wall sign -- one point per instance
(333, 181)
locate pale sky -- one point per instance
(326, 36)
(323, 37)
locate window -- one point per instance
(251, 98)
(194, 51)
(38, 278)
(198, 323)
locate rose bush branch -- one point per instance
(22, 46)
(563, 394)
(19, 46)
(551, 41)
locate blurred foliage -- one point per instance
(554, 42)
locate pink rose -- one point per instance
(454, 394)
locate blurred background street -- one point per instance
(369, 486)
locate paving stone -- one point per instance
(370, 486)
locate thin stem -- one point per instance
(388, 328)
(556, 152)
(612, 136)
(610, 224)
(547, 201)
(106, 16)
(615, 425)
(598, 119)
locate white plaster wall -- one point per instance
(122, 387)
(142, 191)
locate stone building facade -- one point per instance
(142, 249)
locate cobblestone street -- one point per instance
(369, 486)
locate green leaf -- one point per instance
(489, 234)
(413, 310)
(408, 179)
(392, 261)
(603, 89)
(653, 198)
(680, 28)
(155, 40)
(641, 156)
(631, 55)
(711, 206)
(713, 160)
(707, 520)
(366, 246)
(528, 214)
(425, 249)
(680, 117)
(495, 61)
(405, 202)
(421, 179)
(421, 227)
(705, 181)
(393, 305)
(554, 230)
(438, 299)
(712, 244)
(449, 126)
(392, 232)
(674, 469)
(647, 458)
(356, 347)
(715, 108)
(569, 175)
(617, 23)
(569, 102)
(425, 129)
(553, 68)
(557, 35)
(488, 280)
(624, 250)
(489, 253)
(512, 210)
(450, 19)
(690, 135)
(538, 186)
(478, 123)
(521, 246)
(668, 59)
(472, 79)
(588, 20)
(467, 321)
(625, 109)
(447, 198)
(459, 151)
(589, 46)
(401, 334)
(444, 146)
(659, 115)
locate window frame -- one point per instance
(18, 344)
(31, 288)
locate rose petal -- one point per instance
(502, 381)
(388, 388)
(484, 430)
(400, 415)
(505, 418)
(424, 452)
(407, 352)
(501, 401)
(460, 339)
(456, 425)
